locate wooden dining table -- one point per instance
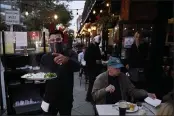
(109, 109)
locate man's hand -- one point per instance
(60, 59)
(152, 95)
(127, 66)
(110, 89)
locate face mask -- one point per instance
(97, 43)
(56, 47)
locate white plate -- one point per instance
(129, 111)
(40, 79)
(36, 77)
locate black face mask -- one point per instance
(97, 43)
(58, 47)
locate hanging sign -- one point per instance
(125, 5)
(12, 17)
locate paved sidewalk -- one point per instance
(80, 106)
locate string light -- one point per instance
(94, 11)
(77, 12)
(107, 4)
(26, 13)
(55, 16)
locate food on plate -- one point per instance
(50, 75)
(39, 76)
(131, 106)
(27, 75)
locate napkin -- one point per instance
(45, 106)
(153, 102)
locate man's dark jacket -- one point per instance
(92, 54)
(60, 89)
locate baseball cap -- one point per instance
(115, 62)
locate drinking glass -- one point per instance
(122, 107)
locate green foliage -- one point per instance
(41, 13)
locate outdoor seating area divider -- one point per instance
(22, 96)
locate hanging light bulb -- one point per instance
(94, 11)
(77, 12)
(101, 11)
(26, 13)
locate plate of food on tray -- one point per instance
(131, 107)
(39, 76)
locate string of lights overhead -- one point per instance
(33, 6)
(107, 4)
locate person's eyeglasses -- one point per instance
(55, 40)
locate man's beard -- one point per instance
(56, 47)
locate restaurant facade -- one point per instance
(118, 20)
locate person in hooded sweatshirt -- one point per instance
(58, 95)
(93, 60)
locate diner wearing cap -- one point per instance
(112, 86)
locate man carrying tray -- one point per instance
(59, 91)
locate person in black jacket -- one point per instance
(137, 60)
(59, 91)
(93, 60)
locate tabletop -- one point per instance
(110, 110)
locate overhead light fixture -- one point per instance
(94, 11)
(101, 11)
(93, 28)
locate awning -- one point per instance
(89, 4)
